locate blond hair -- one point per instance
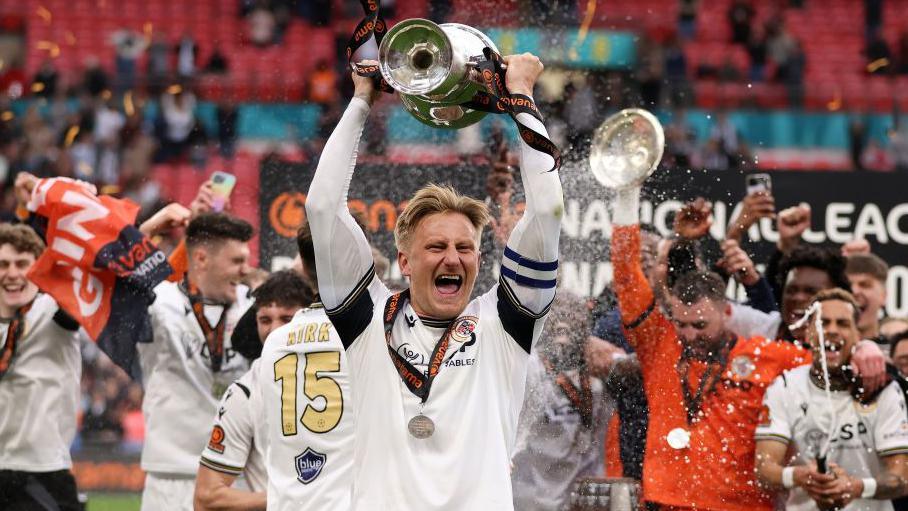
(22, 237)
(433, 199)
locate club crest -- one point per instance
(464, 328)
(309, 465)
(742, 366)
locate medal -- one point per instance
(421, 427)
(678, 438)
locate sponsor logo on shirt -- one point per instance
(309, 465)
(216, 442)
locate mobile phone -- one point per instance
(222, 185)
(758, 183)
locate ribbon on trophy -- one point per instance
(372, 24)
(497, 100)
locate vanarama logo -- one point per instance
(287, 213)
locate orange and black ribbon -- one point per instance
(13, 335)
(581, 399)
(497, 99)
(372, 24)
(418, 383)
(214, 336)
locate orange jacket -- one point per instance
(716, 471)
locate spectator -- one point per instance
(780, 47)
(728, 71)
(867, 274)
(129, 46)
(794, 79)
(857, 138)
(879, 56)
(158, 67)
(680, 141)
(679, 91)
(323, 84)
(217, 62)
(187, 51)
(898, 142)
(650, 73)
(687, 18)
(45, 83)
(876, 157)
(902, 64)
(177, 123)
(262, 26)
(318, 12)
(439, 10)
(227, 116)
(899, 353)
(873, 18)
(95, 80)
(13, 80)
(756, 49)
(740, 19)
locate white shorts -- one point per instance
(167, 493)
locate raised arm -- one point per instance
(530, 261)
(639, 312)
(342, 254)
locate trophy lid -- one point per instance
(415, 56)
(626, 148)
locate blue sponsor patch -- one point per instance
(309, 465)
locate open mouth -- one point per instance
(14, 288)
(833, 346)
(448, 284)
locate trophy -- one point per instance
(433, 68)
(626, 149)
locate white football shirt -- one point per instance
(799, 415)
(307, 415)
(235, 445)
(474, 403)
(181, 390)
(40, 391)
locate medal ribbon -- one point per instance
(715, 366)
(214, 336)
(417, 382)
(13, 334)
(581, 399)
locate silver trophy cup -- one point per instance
(626, 149)
(432, 67)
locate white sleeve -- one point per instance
(343, 258)
(230, 444)
(530, 262)
(890, 432)
(774, 423)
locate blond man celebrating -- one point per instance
(437, 379)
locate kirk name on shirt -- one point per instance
(310, 332)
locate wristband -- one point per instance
(869, 488)
(788, 477)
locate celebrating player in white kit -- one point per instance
(236, 445)
(438, 379)
(191, 361)
(307, 407)
(868, 452)
(40, 368)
